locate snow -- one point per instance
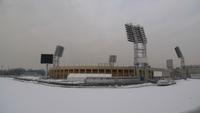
(78, 77)
(88, 75)
(28, 97)
(30, 77)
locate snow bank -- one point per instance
(30, 77)
(25, 97)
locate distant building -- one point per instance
(170, 64)
(192, 70)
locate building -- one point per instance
(192, 70)
(170, 64)
(116, 71)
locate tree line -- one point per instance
(22, 71)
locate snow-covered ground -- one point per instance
(27, 97)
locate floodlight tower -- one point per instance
(112, 60)
(180, 56)
(58, 53)
(136, 34)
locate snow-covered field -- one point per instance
(27, 97)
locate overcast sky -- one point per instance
(91, 30)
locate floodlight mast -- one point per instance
(56, 61)
(182, 61)
(136, 34)
(112, 60)
(180, 56)
(58, 53)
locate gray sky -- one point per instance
(91, 30)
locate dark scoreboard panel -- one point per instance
(46, 59)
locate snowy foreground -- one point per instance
(27, 97)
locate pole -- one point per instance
(47, 70)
